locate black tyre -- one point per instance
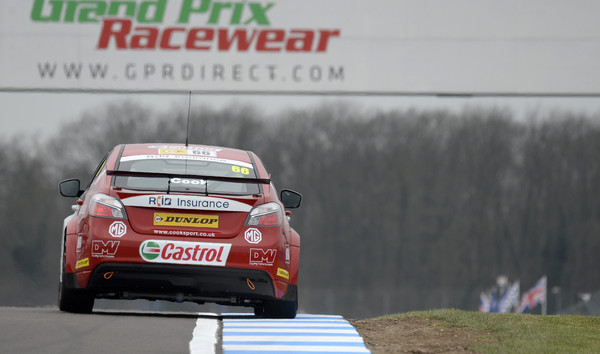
(74, 300)
(278, 309)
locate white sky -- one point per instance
(41, 114)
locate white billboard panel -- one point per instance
(378, 46)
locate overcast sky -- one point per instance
(42, 113)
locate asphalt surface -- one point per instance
(48, 330)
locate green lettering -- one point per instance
(236, 17)
(38, 8)
(187, 8)
(159, 11)
(259, 13)
(115, 6)
(216, 12)
(70, 12)
(99, 10)
(85, 12)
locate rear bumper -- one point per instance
(230, 286)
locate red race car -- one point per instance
(180, 223)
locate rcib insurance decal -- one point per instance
(184, 252)
(186, 202)
(189, 220)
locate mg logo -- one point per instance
(253, 236)
(117, 229)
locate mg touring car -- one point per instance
(180, 223)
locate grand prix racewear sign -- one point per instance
(167, 45)
(378, 46)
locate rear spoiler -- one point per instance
(176, 175)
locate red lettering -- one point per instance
(165, 41)
(196, 249)
(164, 254)
(240, 39)
(188, 254)
(177, 255)
(219, 255)
(144, 41)
(324, 39)
(211, 255)
(110, 28)
(300, 44)
(240, 35)
(202, 255)
(194, 37)
(269, 36)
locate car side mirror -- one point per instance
(290, 199)
(70, 188)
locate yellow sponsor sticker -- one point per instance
(172, 151)
(189, 220)
(283, 273)
(82, 263)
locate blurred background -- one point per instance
(403, 209)
(439, 145)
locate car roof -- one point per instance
(181, 149)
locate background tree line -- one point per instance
(402, 210)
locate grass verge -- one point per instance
(523, 333)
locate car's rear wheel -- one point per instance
(73, 300)
(277, 309)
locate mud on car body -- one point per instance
(180, 223)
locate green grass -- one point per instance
(524, 333)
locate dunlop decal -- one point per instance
(189, 220)
(283, 273)
(82, 263)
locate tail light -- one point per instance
(265, 215)
(105, 206)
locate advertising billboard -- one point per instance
(297, 46)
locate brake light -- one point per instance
(101, 210)
(265, 215)
(105, 206)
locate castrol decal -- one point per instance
(183, 252)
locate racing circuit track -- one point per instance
(47, 330)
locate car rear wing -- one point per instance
(177, 175)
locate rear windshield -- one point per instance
(189, 165)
